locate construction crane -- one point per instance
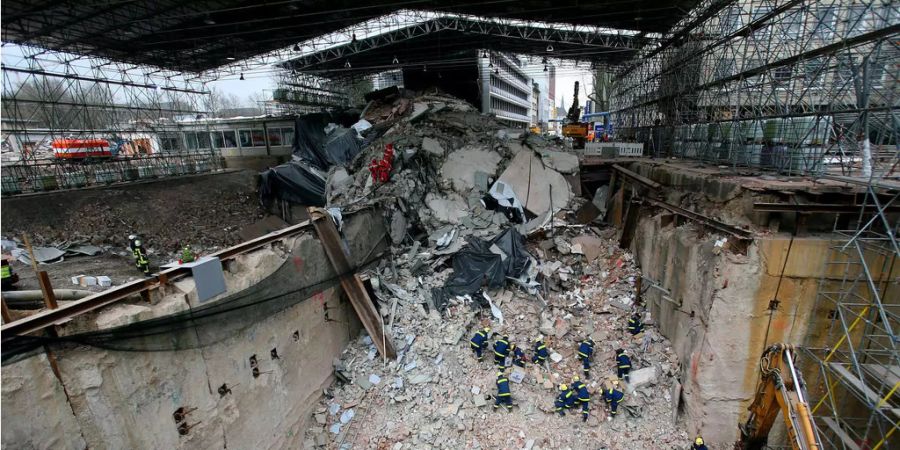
(574, 127)
(781, 388)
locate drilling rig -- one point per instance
(574, 127)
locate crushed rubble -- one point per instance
(570, 282)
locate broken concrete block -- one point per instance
(77, 279)
(420, 379)
(374, 379)
(460, 166)
(531, 181)
(432, 146)
(560, 328)
(479, 400)
(419, 111)
(320, 419)
(642, 377)
(104, 281)
(88, 281)
(347, 416)
(336, 428)
(563, 162)
(556, 357)
(363, 383)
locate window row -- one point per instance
(504, 106)
(244, 138)
(496, 60)
(497, 83)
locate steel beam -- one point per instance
(351, 282)
(45, 319)
(819, 208)
(712, 223)
(637, 177)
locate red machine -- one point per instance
(81, 148)
(381, 169)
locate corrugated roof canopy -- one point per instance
(194, 36)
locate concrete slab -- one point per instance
(432, 146)
(460, 167)
(533, 183)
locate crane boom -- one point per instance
(780, 389)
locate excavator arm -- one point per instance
(780, 389)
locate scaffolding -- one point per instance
(800, 87)
(49, 95)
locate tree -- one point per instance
(604, 82)
(220, 101)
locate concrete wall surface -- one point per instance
(718, 314)
(110, 399)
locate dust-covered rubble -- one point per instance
(459, 184)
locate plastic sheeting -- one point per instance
(322, 150)
(292, 182)
(477, 265)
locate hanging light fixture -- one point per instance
(424, 67)
(544, 60)
(395, 61)
(496, 71)
(353, 38)
(545, 67)
(242, 76)
(347, 64)
(484, 54)
(296, 47)
(491, 64)
(549, 47)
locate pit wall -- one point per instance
(105, 399)
(717, 312)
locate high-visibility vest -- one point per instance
(6, 271)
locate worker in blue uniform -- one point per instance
(501, 351)
(504, 396)
(565, 400)
(584, 397)
(698, 444)
(540, 352)
(623, 364)
(517, 354)
(613, 397)
(480, 342)
(585, 351)
(634, 324)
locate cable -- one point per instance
(169, 325)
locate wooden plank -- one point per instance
(351, 282)
(5, 312)
(637, 177)
(839, 432)
(47, 290)
(871, 395)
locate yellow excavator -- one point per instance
(781, 388)
(574, 127)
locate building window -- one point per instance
(203, 140)
(288, 136)
(190, 140)
(275, 137)
(259, 138)
(782, 75)
(168, 142)
(245, 138)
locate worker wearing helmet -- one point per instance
(540, 351)
(565, 400)
(613, 397)
(635, 326)
(698, 444)
(585, 351)
(501, 351)
(584, 397)
(139, 254)
(623, 364)
(7, 275)
(517, 354)
(504, 396)
(480, 342)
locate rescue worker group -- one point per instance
(136, 246)
(572, 395)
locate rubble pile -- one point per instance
(563, 282)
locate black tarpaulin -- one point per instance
(476, 265)
(292, 182)
(311, 144)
